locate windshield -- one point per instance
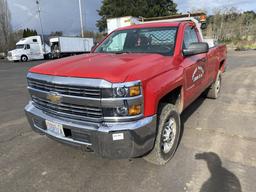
(19, 46)
(145, 40)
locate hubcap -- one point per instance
(169, 134)
(218, 85)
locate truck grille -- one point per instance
(65, 89)
(77, 112)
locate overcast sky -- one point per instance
(63, 15)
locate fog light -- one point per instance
(135, 110)
(134, 91)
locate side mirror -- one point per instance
(196, 48)
(203, 25)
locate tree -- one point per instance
(56, 33)
(136, 8)
(29, 32)
(5, 25)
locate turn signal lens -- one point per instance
(202, 18)
(135, 110)
(134, 91)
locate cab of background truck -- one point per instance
(28, 48)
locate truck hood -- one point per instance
(16, 51)
(111, 67)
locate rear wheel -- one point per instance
(214, 90)
(168, 135)
(24, 58)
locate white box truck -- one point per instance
(66, 46)
(29, 48)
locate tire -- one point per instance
(214, 89)
(168, 124)
(24, 58)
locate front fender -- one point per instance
(159, 86)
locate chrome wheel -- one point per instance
(24, 58)
(168, 136)
(218, 84)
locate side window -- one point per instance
(190, 36)
(27, 46)
(34, 40)
(116, 43)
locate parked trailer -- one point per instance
(66, 46)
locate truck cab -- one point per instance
(29, 48)
(124, 100)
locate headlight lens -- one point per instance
(122, 111)
(122, 90)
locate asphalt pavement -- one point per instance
(217, 151)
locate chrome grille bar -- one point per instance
(65, 89)
(68, 110)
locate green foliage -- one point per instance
(29, 32)
(231, 26)
(95, 35)
(56, 33)
(136, 8)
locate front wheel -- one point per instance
(24, 58)
(168, 135)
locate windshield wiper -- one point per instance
(122, 52)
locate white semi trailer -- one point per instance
(67, 46)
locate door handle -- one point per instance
(203, 60)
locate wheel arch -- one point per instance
(175, 97)
(222, 65)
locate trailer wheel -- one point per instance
(214, 89)
(168, 135)
(24, 58)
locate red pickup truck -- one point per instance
(124, 99)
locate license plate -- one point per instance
(55, 128)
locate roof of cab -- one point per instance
(151, 25)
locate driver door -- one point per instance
(194, 67)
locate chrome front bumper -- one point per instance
(138, 136)
(13, 58)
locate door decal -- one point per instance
(198, 73)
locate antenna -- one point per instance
(39, 14)
(81, 19)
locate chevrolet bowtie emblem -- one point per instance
(54, 97)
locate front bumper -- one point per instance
(138, 136)
(13, 58)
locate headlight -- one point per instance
(119, 90)
(123, 111)
(128, 98)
